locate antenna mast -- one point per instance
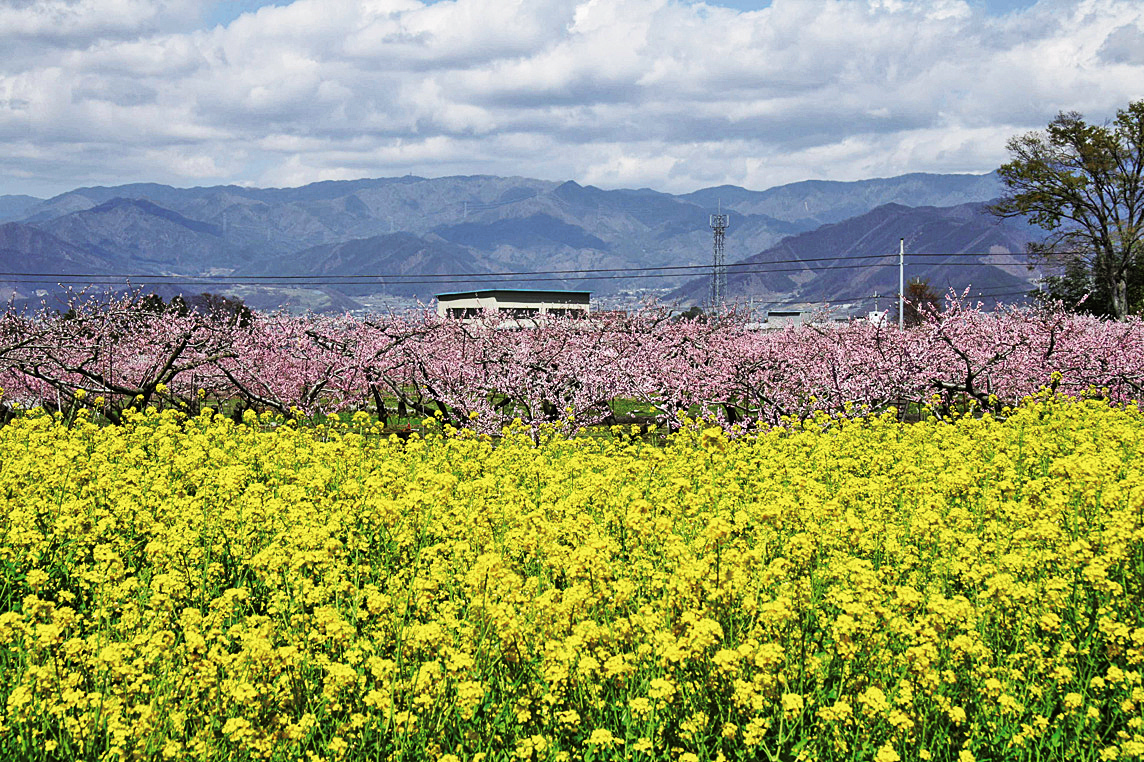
(719, 224)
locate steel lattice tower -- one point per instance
(719, 270)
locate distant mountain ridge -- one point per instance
(401, 255)
(478, 224)
(147, 237)
(937, 240)
(28, 254)
(16, 207)
(811, 203)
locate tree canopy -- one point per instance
(1084, 184)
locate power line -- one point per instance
(251, 279)
(245, 278)
(488, 279)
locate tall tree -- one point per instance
(231, 308)
(920, 300)
(1084, 184)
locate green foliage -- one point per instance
(1075, 287)
(694, 312)
(1084, 184)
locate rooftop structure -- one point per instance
(513, 303)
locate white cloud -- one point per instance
(615, 92)
(67, 22)
(1124, 45)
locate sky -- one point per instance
(674, 95)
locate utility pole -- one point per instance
(901, 282)
(719, 270)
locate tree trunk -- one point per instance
(1120, 298)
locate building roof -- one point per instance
(494, 291)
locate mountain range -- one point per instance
(955, 248)
(396, 241)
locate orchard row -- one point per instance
(115, 356)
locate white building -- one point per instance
(776, 320)
(513, 303)
(879, 318)
(783, 318)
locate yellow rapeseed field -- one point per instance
(863, 590)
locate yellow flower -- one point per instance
(792, 703)
(873, 700)
(661, 689)
(887, 754)
(602, 737)
(395, 581)
(639, 706)
(568, 717)
(36, 578)
(532, 746)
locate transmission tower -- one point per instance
(719, 224)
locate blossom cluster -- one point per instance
(192, 587)
(112, 356)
